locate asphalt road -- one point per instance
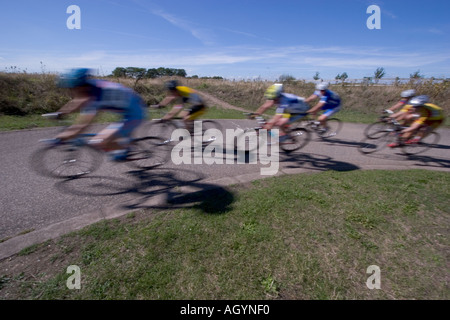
(35, 208)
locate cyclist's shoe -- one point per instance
(396, 144)
(412, 141)
(52, 142)
(323, 130)
(119, 155)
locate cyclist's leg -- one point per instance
(327, 113)
(191, 114)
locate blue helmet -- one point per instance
(74, 78)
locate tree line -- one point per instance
(139, 73)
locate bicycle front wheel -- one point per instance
(298, 138)
(370, 145)
(376, 129)
(66, 161)
(423, 145)
(148, 152)
(334, 126)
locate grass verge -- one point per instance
(309, 236)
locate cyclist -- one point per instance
(403, 114)
(428, 117)
(290, 108)
(329, 101)
(180, 96)
(93, 95)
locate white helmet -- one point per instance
(408, 93)
(419, 101)
(322, 86)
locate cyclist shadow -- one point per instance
(316, 162)
(154, 189)
(427, 161)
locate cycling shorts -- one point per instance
(330, 112)
(196, 111)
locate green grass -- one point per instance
(309, 236)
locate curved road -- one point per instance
(34, 208)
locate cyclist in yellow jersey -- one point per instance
(427, 118)
(182, 96)
(403, 114)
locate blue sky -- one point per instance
(235, 39)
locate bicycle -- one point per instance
(164, 129)
(334, 126)
(383, 123)
(77, 157)
(393, 133)
(297, 137)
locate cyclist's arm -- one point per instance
(74, 105)
(83, 121)
(396, 106)
(316, 107)
(311, 98)
(268, 104)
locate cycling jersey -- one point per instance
(331, 99)
(429, 112)
(292, 104)
(189, 95)
(116, 98)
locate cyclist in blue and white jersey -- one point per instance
(329, 101)
(90, 96)
(290, 108)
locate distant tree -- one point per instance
(316, 76)
(378, 74)
(134, 72)
(286, 78)
(342, 77)
(119, 72)
(416, 75)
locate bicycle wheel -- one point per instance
(148, 152)
(373, 130)
(423, 145)
(159, 129)
(247, 141)
(334, 126)
(66, 161)
(298, 138)
(211, 132)
(370, 145)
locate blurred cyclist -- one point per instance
(181, 96)
(90, 96)
(329, 101)
(428, 117)
(403, 114)
(290, 108)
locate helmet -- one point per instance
(274, 91)
(172, 84)
(74, 78)
(419, 101)
(322, 86)
(408, 93)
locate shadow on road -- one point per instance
(317, 162)
(157, 188)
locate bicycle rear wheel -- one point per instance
(298, 138)
(423, 145)
(148, 152)
(370, 145)
(211, 133)
(334, 126)
(66, 161)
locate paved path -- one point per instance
(34, 209)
